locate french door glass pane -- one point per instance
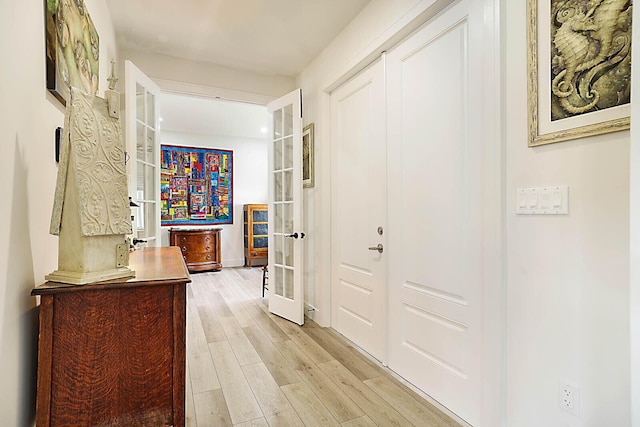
(278, 219)
(277, 124)
(151, 218)
(288, 251)
(287, 218)
(277, 182)
(150, 110)
(140, 136)
(151, 146)
(140, 181)
(150, 183)
(288, 284)
(140, 223)
(140, 103)
(278, 281)
(288, 185)
(288, 120)
(279, 249)
(277, 155)
(288, 150)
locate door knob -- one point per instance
(378, 248)
(294, 235)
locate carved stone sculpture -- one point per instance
(91, 213)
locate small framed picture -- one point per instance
(307, 156)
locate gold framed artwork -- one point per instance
(72, 47)
(579, 66)
(307, 156)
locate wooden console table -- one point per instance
(200, 247)
(113, 353)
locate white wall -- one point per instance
(567, 276)
(29, 116)
(249, 184)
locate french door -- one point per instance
(143, 148)
(286, 295)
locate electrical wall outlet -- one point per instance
(569, 397)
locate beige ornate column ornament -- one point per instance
(91, 213)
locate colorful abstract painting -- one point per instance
(196, 186)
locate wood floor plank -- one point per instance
(273, 359)
(237, 393)
(270, 328)
(206, 311)
(273, 402)
(258, 422)
(334, 398)
(294, 355)
(242, 348)
(380, 412)
(418, 411)
(219, 305)
(310, 346)
(236, 307)
(212, 328)
(231, 327)
(308, 406)
(254, 353)
(297, 334)
(211, 409)
(190, 408)
(364, 421)
(199, 363)
(244, 351)
(310, 324)
(202, 372)
(348, 356)
(249, 273)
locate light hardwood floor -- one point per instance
(247, 367)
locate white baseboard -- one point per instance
(233, 263)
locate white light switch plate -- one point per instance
(551, 200)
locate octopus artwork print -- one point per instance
(590, 56)
(72, 48)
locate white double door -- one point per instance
(406, 154)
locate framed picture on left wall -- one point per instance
(72, 48)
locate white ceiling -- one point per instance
(273, 37)
(206, 116)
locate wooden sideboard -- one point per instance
(200, 247)
(256, 235)
(113, 353)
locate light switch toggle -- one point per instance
(552, 200)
